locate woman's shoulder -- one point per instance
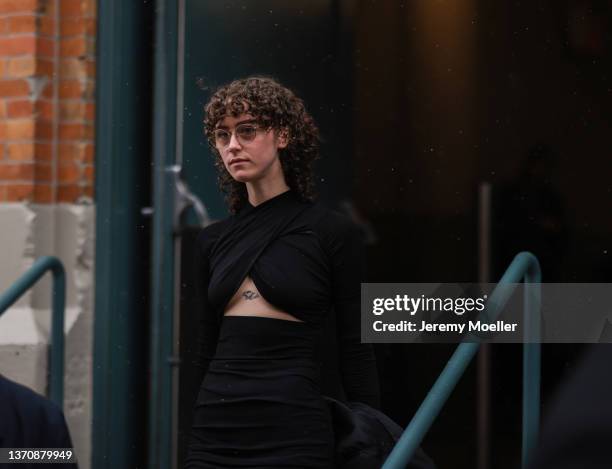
(209, 234)
(331, 224)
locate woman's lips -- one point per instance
(237, 160)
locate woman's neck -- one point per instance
(259, 193)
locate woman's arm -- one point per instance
(357, 360)
(208, 330)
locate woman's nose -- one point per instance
(233, 143)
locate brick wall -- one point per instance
(47, 71)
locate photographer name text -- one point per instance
(472, 326)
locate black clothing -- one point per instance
(260, 403)
(365, 437)
(28, 420)
(577, 430)
(305, 260)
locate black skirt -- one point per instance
(260, 404)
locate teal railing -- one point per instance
(40, 267)
(525, 266)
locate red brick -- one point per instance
(45, 109)
(90, 47)
(44, 151)
(88, 191)
(3, 130)
(22, 108)
(18, 6)
(71, 152)
(2, 109)
(89, 173)
(3, 66)
(3, 25)
(22, 24)
(90, 111)
(43, 193)
(16, 171)
(14, 88)
(48, 91)
(18, 192)
(90, 90)
(43, 172)
(73, 68)
(71, 89)
(48, 7)
(89, 153)
(19, 129)
(68, 192)
(18, 45)
(45, 47)
(90, 27)
(72, 27)
(20, 151)
(44, 130)
(70, 131)
(91, 69)
(72, 110)
(21, 67)
(89, 8)
(45, 67)
(70, 8)
(46, 25)
(68, 173)
(73, 46)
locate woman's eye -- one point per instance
(221, 136)
(247, 131)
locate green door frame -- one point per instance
(123, 139)
(133, 365)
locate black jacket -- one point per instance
(28, 420)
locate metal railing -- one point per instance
(525, 266)
(40, 267)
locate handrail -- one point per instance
(17, 289)
(524, 266)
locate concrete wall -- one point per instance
(66, 231)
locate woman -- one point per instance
(271, 275)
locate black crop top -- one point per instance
(305, 260)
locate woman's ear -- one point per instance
(283, 138)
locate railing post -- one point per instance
(55, 376)
(525, 265)
(531, 360)
(56, 380)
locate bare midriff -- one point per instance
(247, 301)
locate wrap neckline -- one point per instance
(248, 207)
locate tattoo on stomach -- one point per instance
(250, 295)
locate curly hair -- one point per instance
(274, 107)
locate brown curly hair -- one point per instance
(274, 107)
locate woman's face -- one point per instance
(249, 152)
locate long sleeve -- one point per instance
(357, 360)
(208, 332)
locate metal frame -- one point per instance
(161, 430)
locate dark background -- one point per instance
(419, 103)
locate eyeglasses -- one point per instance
(244, 133)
